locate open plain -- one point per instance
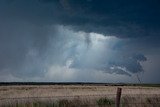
(77, 95)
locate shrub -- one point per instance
(105, 101)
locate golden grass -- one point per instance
(72, 95)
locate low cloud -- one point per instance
(66, 53)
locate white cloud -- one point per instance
(60, 73)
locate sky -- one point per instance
(112, 41)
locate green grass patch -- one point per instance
(105, 101)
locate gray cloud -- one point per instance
(100, 54)
(131, 63)
(124, 19)
(42, 38)
(45, 47)
(127, 19)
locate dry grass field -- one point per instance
(77, 96)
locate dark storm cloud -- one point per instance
(132, 63)
(32, 43)
(134, 18)
(20, 46)
(125, 64)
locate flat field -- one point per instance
(77, 96)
